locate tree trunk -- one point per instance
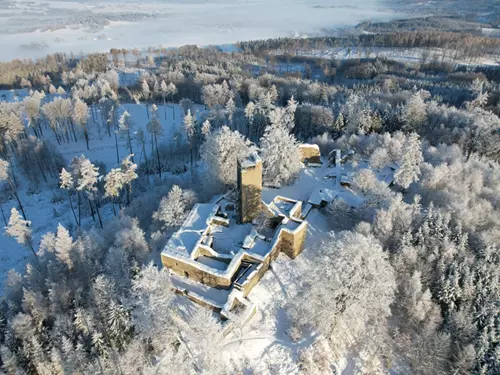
(145, 156)
(165, 106)
(79, 209)
(91, 209)
(86, 136)
(128, 194)
(117, 151)
(157, 155)
(57, 137)
(130, 143)
(72, 209)
(99, 215)
(3, 215)
(12, 188)
(30, 243)
(73, 130)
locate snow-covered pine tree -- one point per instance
(189, 128)
(125, 125)
(172, 90)
(66, 182)
(129, 168)
(221, 150)
(289, 115)
(206, 128)
(6, 176)
(20, 230)
(87, 181)
(63, 246)
(279, 151)
(230, 109)
(155, 129)
(146, 94)
(113, 186)
(173, 209)
(80, 117)
(409, 169)
(414, 112)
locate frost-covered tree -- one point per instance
(20, 230)
(171, 91)
(63, 246)
(280, 151)
(32, 106)
(87, 181)
(339, 123)
(141, 138)
(173, 208)
(128, 169)
(250, 112)
(5, 175)
(230, 109)
(125, 125)
(189, 128)
(155, 129)
(206, 128)
(221, 150)
(289, 115)
(351, 297)
(67, 183)
(80, 117)
(114, 185)
(146, 95)
(414, 112)
(409, 169)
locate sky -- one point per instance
(31, 29)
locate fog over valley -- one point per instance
(31, 29)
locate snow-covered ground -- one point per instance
(35, 28)
(406, 55)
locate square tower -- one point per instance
(250, 187)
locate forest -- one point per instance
(128, 141)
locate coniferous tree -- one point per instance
(20, 230)
(6, 176)
(280, 151)
(221, 150)
(66, 182)
(155, 129)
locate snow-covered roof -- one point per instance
(187, 238)
(251, 161)
(320, 195)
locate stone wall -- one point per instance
(310, 153)
(187, 270)
(293, 242)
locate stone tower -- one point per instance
(250, 187)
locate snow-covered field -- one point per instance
(406, 55)
(31, 29)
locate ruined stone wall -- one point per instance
(293, 242)
(310, 153)
(262, 269)
(193, 273)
